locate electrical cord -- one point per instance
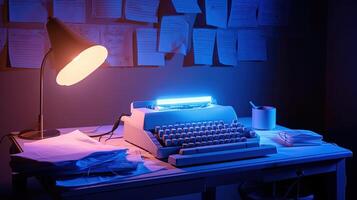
(111, 132)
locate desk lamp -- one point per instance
(74, 59)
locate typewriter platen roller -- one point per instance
(191, 131)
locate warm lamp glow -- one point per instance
(82, 65)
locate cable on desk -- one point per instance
(111, 132)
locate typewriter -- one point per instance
(191, 131)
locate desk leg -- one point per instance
(19, 183)
(341, 180)
(209, 194)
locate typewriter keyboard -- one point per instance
(195, 134)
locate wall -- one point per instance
(292, 80)
(341, 90)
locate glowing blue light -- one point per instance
(180, 101)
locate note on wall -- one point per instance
(274, 12)
(90, 32)
(243, 13)
(142, 10)
(174, 32)
(227, 46)
(203, 45)
(190, 19)
(216, 13)
(107, 8)
(28, 10)
(118, 40)
(147, 48)
(26, 47)
(186, 6)
(70, 10)
(251, 46)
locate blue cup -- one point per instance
(264, 118)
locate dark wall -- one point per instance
(292, 80)
(341, 82)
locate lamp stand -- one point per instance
(40, 133)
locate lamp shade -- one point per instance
(74, 57)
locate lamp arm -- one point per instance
(42, 72)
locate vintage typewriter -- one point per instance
(191, 131)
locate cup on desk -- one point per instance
(264, 117)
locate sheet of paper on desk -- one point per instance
(118, 39)
(70, 10)
(186, 6)
(243, 13)
(26, 47)
(251, 46)
(70, 146)
(107, 8)
(27, 11)
(274, 12)
(227, 46)
(216, 12)
(174, 32)
(142, 10)
(203, 45)
(147, 48)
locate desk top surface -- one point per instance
(285, 156)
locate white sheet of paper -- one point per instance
(243, 13)
(147, 48)
(274, 12)
(107, 8)
(142, 10)
(70, 10)
(251, 46)
(26, 47)
(186, 6)
(27, 10)
(216, 13)
(91, 32)
(70, 146)
(190, 19)
(203, 45)
(118, 39)
(174, 32)
(227, 46)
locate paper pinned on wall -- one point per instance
(91, 32)
(243, 13)
(107, 8)
(118, 39)
(186, 6)
(142, 10)
(203, 45)
(274, 12)
(70, 10)
(227, 46)
(27, 11)
(26, 47)
(216, 13)
(190, 19)
(174, 32)
(147, 48)
(251, 46)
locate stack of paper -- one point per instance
(299, 138)
(72, 153)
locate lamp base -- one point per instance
(36, 135)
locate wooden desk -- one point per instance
(326, 159)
